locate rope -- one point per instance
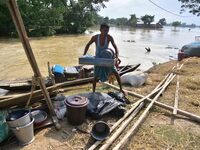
(34, 83)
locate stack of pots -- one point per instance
(21, 123)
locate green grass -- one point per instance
(177, 139)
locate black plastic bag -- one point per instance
(101, 104)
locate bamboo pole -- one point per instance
(176, 94)
(175, 100)
(179, 111)
(123, 126)
(142, 117)
(109, 141)
(134, 106)
(156, 89)
(16, 17)
(176, 97)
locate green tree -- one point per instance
(147, 19)
(121, 21)
(162, 21)
(80, 15)
(176, 23)
(193, 25)
(7, 27)
(133, 20)
(112, 21)
(192, 5)
(105, 20)
(48, 17)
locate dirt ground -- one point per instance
(160, 130)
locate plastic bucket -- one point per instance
(18, 118)
(76, 109)
(24, 134)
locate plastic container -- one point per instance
(76, 109)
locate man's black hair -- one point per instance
(104, 25)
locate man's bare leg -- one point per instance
(119, 82)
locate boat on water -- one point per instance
(59, 74)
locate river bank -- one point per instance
(156, 132)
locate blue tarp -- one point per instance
(192, 49)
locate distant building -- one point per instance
(157, 25)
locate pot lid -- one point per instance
(76, 100)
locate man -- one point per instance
(102, 41)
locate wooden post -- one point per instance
(14, 11)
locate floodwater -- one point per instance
(65, 49)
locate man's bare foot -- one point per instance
(124, 92)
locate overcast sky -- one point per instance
(123, 8)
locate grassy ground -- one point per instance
(159, 131)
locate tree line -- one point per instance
(133, 20)
(49, 17)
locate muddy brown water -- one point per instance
(65, 49)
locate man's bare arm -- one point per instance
(88, 45)
(115, 47)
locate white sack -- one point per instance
(136, 78)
